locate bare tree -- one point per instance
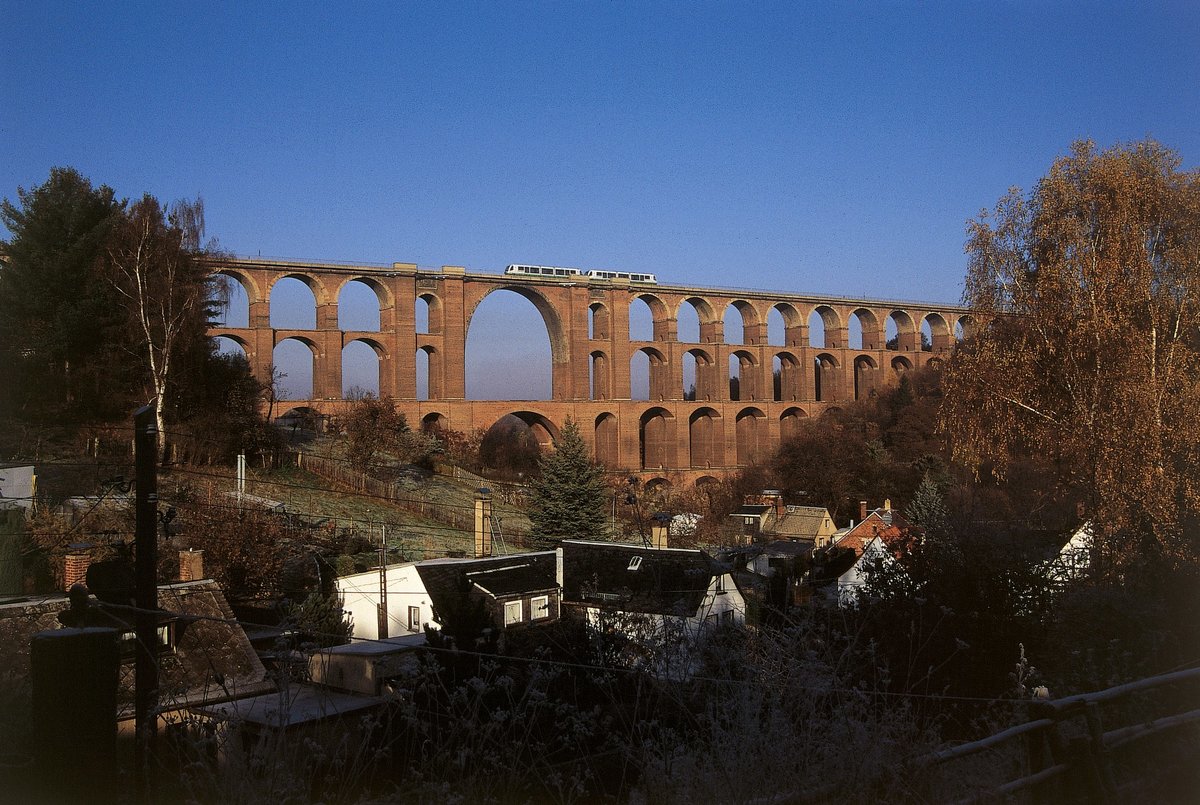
(154, 263)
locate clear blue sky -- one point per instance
(799, 147)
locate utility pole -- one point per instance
(383, 602)
(145, 459)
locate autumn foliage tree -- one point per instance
(1087, 352)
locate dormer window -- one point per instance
(635, 563)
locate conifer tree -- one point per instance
(928, 510)
(569, 498)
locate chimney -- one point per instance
(887, 504)
(76, 564)
(862, 510)
(191, 565)
(660, 530)
(483, 522)
(558, 567)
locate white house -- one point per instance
(408, 603)
(1073, 559)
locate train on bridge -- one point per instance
(597, 274)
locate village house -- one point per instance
(765, 517)
(406, 610)
(649, 606)
(498, 593)
(841, 569)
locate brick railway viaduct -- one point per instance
(664, 437)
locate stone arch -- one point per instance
(292, 311)
(660, 316)
(607, 440)
(687, 323)
(657, 374)
(301, 375)
(870, 334)
(901, 332)
(790, 421)
(434, 377)
(248, 283)
(900, 367)
(748, 319)
(656, 435)
(707, 481)
(788, 385)
(706, 314)
(792, 326)
(706, 441)
(826, 371)
(599, 322)
(600, 385)
(865, 370)
(751, 429)
(429, 315)
(319, 291)
(355, 369)
(939, 331)
(349, 318)
(237, 341)
(543, 429)
(559, 349)
(935, 364)
(235, 293)
(658, 486)
(747, 376)
(964, 328)
(706, 379)
(434, 422)
(829, 324)
(302, 416)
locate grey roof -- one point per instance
(296, 704)
(788, 547)
(447, 580)
(515, 580)
(665, 581)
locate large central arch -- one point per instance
(796, 356)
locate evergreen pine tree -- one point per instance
(570, 497)
(928, 510)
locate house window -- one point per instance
(512, 613)
(727, 617)
(166, 641)
(414, 619)
(635, 563)
(540, 607)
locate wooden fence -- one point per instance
(396, 494)
(1070, 755)
(459, 517)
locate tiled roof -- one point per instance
(530, 578)
(447, 580)
(634, 578)
(889, 525)
(800, 521)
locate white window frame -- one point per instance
(539, 607)
(414, 624)
(635, 563)
(509, 607)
